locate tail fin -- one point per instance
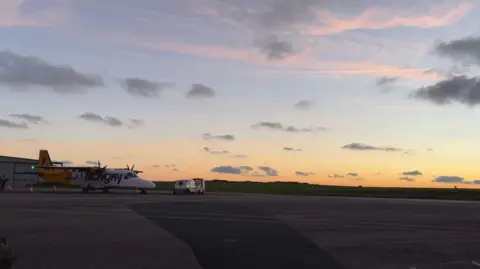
(44, 158)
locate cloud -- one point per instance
(301, 63)
(269, 171)
(256, 174)
(466, 49)
(20, 73)
(29, 118)
(110, 121)
(236, 170)
(383, 81)
(408, 179)
(435, 71)
(449, 179)
(352, 174)
(172, 167)
(475, 182)
(136, 123)
(12, 124)
(413, 173)
(67, 162)
(365, 147)
(304, 174)
(223, 152)
(209, 136)
(200, 91)
(215, 152)
(144, 88)
(452, 71)
(325, 17)
(303, 105)
(26, 13)
(291, 129)
(336, 176)
(277, 50)
(92, 162)
(291, 149)
(462, 89)
(385, 17)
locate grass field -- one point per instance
(293, 188)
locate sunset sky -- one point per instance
(343, 92)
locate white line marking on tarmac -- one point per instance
(476, 263)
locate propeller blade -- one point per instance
(132, 167)
(98, 162)
(128, 168)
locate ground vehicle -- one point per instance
(189, 186)
(184, 186)
(199, 185)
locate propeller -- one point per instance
(131, 169)
(99, 165)
(100, 169)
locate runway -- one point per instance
(68, 229)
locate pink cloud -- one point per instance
(374, 17)
(301, 63)
(382, 18)
(11, 16)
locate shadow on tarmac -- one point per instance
(236, 236)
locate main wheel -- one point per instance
(143, 192)
(84, 190)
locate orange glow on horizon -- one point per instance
(198, 163)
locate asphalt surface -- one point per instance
(68, 229)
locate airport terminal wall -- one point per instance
(18, 170)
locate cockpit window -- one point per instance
(131, 174)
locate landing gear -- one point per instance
(143, 192)
(105, 190)
(85, 190)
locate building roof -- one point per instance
(16, 159)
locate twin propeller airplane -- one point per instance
(91, 178)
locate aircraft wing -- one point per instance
(80, 168)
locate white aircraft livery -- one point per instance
(91, 178)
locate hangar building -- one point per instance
(20, 171)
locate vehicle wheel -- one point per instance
(84, 190)
(143, 192)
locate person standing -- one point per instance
(3, 182)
